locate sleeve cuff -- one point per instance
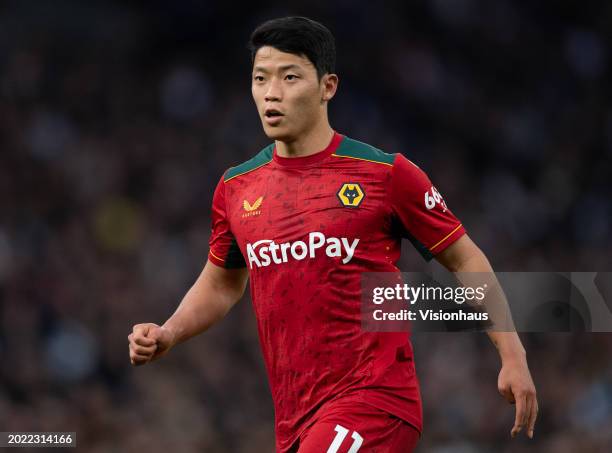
(447, 240)
(215, 259)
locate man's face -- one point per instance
(287, 92)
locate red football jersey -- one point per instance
(307, 228)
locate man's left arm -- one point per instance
(514, 381)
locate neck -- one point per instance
(308, 143)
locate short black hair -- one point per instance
(299, 36)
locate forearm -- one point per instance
(206, 303)
(508, 344)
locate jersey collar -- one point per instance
(311, 159)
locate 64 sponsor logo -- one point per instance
(433, 197)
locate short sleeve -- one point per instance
(224, 250)
(420, 211)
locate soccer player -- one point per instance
(303, 219)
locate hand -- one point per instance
(515, 384)
(149, 342)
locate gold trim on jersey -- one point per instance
(211, 252)
(366, 160)
(445, 237)
(248, 171)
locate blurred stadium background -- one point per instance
(117, 119)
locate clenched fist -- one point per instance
(149, 342)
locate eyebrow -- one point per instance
(282, 68)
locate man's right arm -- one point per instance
(209, 299)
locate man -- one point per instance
(304, 218)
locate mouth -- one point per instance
(272, 113)
(273, 116)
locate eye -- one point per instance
(291, 77)
(258, 78)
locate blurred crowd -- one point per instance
(116, 122)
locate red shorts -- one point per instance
(351, 427)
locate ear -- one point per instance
(329, 84)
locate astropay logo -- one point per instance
(265, 252)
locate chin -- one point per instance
(277, 133)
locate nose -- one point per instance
(274, 92)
